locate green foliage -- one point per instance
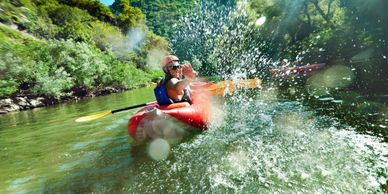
(55, 68)
(151, 42)
(370, 20)
(54, 83)
(80, 60)
(7, 87)
(95, 8)
(18, 13)
(7, 32)
(241, 42)
(76, 50)
(127, 16)
(290, 22)
(105, 35)
(162, 15)
(323, 31)
(70, 21)
(77, 20)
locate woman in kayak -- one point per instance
(174, 86)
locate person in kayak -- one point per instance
(174, 87)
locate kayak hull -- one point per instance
(297, 71)
(171, 121)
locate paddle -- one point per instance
(218, 88)
(229, 86)
(103, 114)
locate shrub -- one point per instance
(7, 87)
(54, 84)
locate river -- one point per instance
(258, 143)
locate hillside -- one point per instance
(56, 50)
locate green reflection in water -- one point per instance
(44, 147)
(260, 145)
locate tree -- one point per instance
(95, 8)
(127, 16)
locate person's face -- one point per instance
(175, 69)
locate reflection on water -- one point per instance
(260, 145)
(45, 150)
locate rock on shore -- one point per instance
(20, 103)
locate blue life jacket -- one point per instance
(163, 99)
(161, 95)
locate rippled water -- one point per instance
(258, 144)
(266, 145)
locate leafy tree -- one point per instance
(162, 15)
(95, 8)
(127, 16)
(71, 22)
(290, 22)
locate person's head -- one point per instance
(171, 66)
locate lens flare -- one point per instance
(159, 149)
(336, 77)
(261, 21)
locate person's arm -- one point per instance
(190, 75)
(179, 85)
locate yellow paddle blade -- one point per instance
(249, 83)
(229, 86)
(151, 84)
(220, 90)
(92, 117)
(222, 87)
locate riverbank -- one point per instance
(27, 102)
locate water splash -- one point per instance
(196, 34)
(303, 152)
(155, 58)
(122, 45)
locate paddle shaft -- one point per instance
(128, 108)
(222, 84)
(218, 88)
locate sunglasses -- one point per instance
(175, 67)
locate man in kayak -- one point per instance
(174, 86)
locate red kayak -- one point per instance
(171, 121)
(297, 71)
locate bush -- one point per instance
(54, 84)
(7, 87)
(57, 67)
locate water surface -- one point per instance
(258, 144)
